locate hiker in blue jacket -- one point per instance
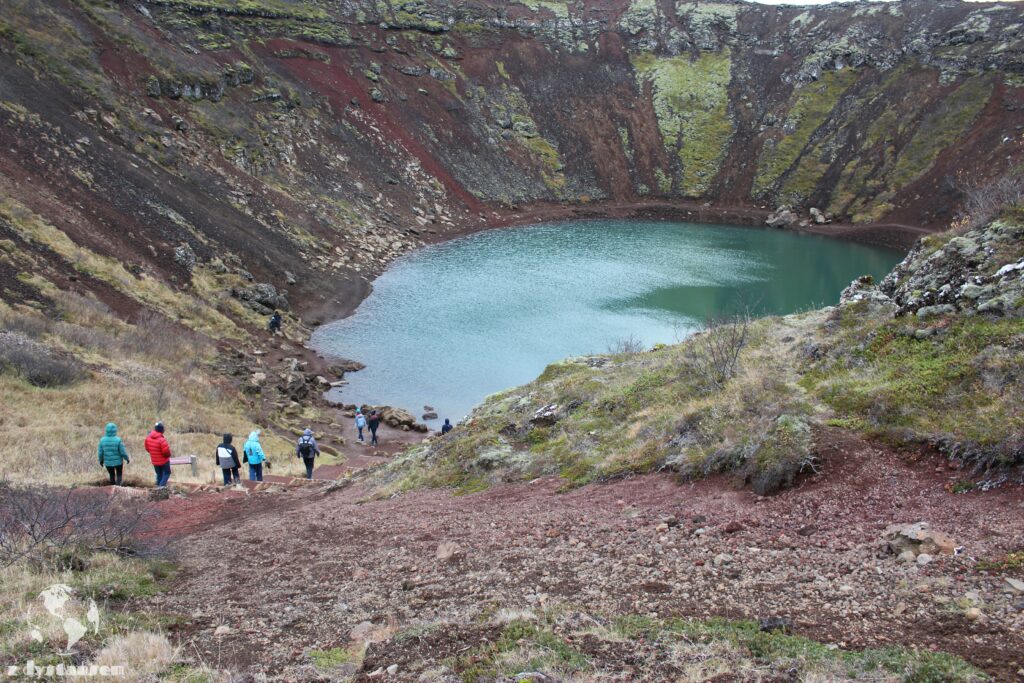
(112, 454)
(254, 456)
(360, 423)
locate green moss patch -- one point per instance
(691, 103)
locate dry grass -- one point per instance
(143, 655)
(138, 375)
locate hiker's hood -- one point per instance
(308, 432)
(111, 429)
(254, 436)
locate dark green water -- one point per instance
(455, 322)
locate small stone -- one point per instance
(924, 558)
(448, 552)
(1015, 585)
(972, 614)
(907, 556)
(553, 533)
(361, 631)
(722, 559)
(392, 670)
(733, 527)
(222, 630)
(661, 528)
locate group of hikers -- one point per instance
(113, 455)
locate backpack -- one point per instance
(360, 421)
(305, 448)
(224, 458)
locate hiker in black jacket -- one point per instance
(307, 449)
(227, 460)
(373, 423)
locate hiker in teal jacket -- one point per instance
(254, 456)
(112, 454)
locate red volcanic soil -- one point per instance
(298, 570)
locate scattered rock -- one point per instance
(222, 630)
(448, 551)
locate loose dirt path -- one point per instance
(295, 571)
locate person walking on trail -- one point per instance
(227, 460)
(112, 454)
(373, 423)
(360, 423)
(159, 454)
(446, 427)
(275, 323)
(254, 456)
(307, 449)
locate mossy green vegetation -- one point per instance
(281, 9)
(691, 102)
(813, 104)
(551, 644)
(629, 414)
(559, 9)
(883, 377)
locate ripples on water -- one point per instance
(452, 323)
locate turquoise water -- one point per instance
(452, 323)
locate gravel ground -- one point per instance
(267, 579)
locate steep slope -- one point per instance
(280, 138)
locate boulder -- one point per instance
(819, 216)
(338, 368)
(429, 415)
(783, 217)
(919, 539)
(396, 417)
(185, 257)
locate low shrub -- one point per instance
(36, 364)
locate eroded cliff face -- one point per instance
(306, 143)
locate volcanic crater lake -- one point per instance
(454, 322)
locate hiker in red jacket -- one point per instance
(160, 453)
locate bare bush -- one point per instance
(986, 199)
(156, 336)
(84, 337)
(48, 525)
(36, 364)
(630, 344)
(30, 325)
(715, 349)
